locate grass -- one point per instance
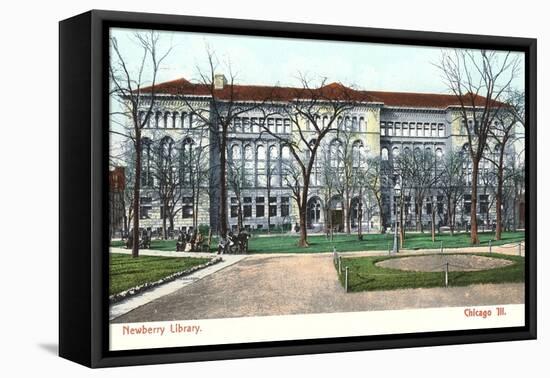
(349, 243)
(127, 272)
(365, 275)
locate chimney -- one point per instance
(219, 81)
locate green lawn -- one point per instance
(127, 272)
(365, 275)
(349, 243)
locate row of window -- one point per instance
(348, 123)
(413, 129)
(281, 208)
(384, 152)
(276, 125)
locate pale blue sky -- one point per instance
(271, 61)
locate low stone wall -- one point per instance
(115, 298)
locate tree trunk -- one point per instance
(498, 231)
(433, 222)
(164, 216)
(223, 183)
(347, 214)
(382, 216)
(474, 238)
(267, 200)
(401, 225)
(360, 217)
(137, 179)
(302, 210)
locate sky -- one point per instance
(279, 61)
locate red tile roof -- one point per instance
(331, 91)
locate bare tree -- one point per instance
(314, 112)
(218, 112)
(507, 120)
(126, 87)
(237, 183)
(329, 181)
(346, 159)
(376, 178)
(452, 183)
(418, 167)
(478, 79)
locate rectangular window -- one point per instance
(187, 207)
(285, 206)
(260, 210)
(254, 125)
(271, 125)
(434, 130)
(467, 203)
(234, 211)
(398, 128)
(279, 125)
(412, 127)
(441, 130)
(287, 126)
(419, 129)
(483, 203)
(259, 199)
(247, 211)
(246, 125)
(405, 129)
(383, 128)
(390, 128)
(146, 206)
(440, 205)
(272, 210)
(426, 129)
(237, 125)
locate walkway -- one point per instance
(261, 285)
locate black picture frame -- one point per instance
(83, 140)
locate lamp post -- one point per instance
(397, 192)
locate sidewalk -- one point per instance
(129, 304)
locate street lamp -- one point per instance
(397, 191)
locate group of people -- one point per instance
(190, 241)
(144, 240)
(234, 243)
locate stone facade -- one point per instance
(383, 127)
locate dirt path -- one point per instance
(263, 285)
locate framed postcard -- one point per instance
(235, 188)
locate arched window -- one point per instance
(273, 153)
(261, 171)
(384, 153)
(336, 153)
(285, 153)
(439, 153)
(395, 152)
(235, 152)
(176, 120)
(357, 153)
(165, 170)
(158, 119)
(146, 162)
(313, 211)
(249, 165)
(362, 125)
(187, 160)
